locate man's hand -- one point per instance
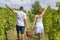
(8, 7)
(5, 4)
(27, 29)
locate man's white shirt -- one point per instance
(20, 18)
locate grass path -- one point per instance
(12, 36)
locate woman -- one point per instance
(39, 29)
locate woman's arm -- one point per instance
(8, 7)
(45, 9)
(34, 21)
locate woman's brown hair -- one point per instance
(39, 11)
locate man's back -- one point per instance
(20, 18)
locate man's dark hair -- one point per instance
(21, 8)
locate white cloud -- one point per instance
(21, 2)
(27, 3)
(51, 2)
(24, 3)
(2, 1)
(18, 2)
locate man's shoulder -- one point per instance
(23, 12)
(16, 11)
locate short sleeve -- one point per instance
(15, 11)
(25, 17)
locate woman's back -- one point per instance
(39, 20)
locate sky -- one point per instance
(27, 3)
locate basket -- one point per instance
(30, 34)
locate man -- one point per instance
(21, 21)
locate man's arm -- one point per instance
(8, 7)
(25, 20)
(45, 9)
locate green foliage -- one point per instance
(7, 18)
(35, 7)
(31, 16)
(47, 20)
(58, 4)
(51, 23)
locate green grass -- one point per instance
(12, 35)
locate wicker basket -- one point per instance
(30, 34)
